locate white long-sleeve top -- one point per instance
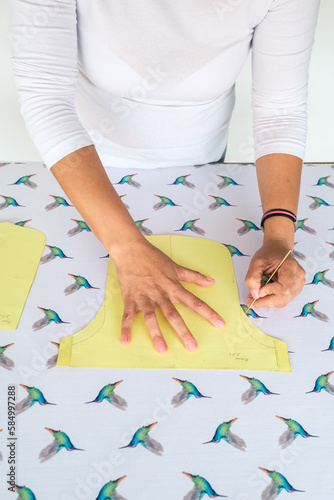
(151, 82)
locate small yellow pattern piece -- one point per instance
(21, 249)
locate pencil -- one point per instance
(272, 274)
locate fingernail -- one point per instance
(162, 348)
(124, 339)
(261, 295)
(192, 346)
(220, 324)
(212, 280)
(255, 294)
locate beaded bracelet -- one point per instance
(278, 212)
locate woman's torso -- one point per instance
(156, 79)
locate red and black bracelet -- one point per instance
(278, 212)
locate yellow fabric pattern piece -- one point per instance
(21, 249)
(240, 345)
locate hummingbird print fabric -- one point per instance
(182, 434)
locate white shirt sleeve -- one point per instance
(281, 50)
(44, 45)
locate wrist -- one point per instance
(118, 250)
(279, 228)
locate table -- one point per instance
(101, 430)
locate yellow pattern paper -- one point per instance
(21, 249)
(240, 345)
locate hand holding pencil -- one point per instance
(275, 259)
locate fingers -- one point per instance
(275, 296)
(174, 318)
(254, 276)
(200, 307)
(190, 276)
(150, 280)
(289, 282)
(129, 313)
(148, 309)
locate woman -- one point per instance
(151, 84)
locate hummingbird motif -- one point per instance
(22, 223)
(80, 282)
(320, 278)
(81, 226)
(190, 224)
(330, 348)
(188, 389)
(144, 230)
(9, 202)
(25, 180)
(201, 487)
(51, 362)
(164, 201)
(219, 202)
(323, 181)
(223, 432)
(58, 201)
(108, 491)
(247, 226)
(298, 255)
(294, 430)
(126, 206)
(251, 313)
(61, 440)
(183, 180)
(278, 483)
(322, 383)
(257, 387)
(22, 491)
(227, 181)
(308, 309)
(49, 316)
(128, 179)
(34, 396)
(331, 255)
(6, 362)
(300, 224)
(235, 251)
(141, 437)
(107, 393)
(54, 252)
(318, 202)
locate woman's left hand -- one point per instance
(288, 281)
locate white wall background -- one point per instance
(16, 145)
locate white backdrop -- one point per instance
(15, 143)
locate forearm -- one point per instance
(84, 180)
(279, 183)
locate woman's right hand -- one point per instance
(148, 280)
